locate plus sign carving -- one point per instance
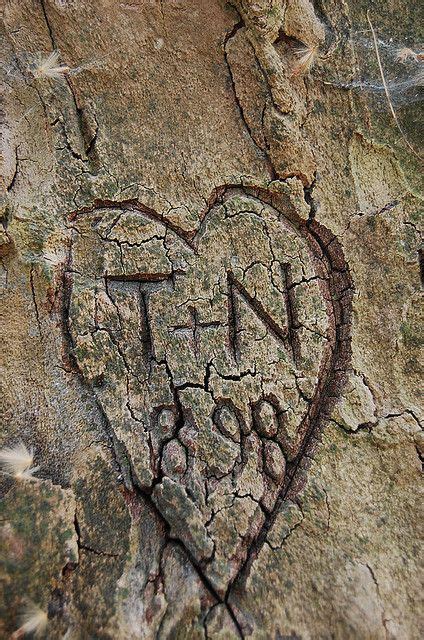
(213, 355)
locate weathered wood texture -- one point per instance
(210, 287)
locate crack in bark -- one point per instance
(291, 530)
(11, 184)
(384, 620)
(263, 152)
(88, 141)
(308, 192)
(34, 299)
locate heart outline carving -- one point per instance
(333, 274)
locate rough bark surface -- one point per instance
(210, 282)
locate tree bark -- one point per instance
(211, 270)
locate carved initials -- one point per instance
(287, 334)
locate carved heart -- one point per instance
(212, 355)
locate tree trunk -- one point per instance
(210, 273)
